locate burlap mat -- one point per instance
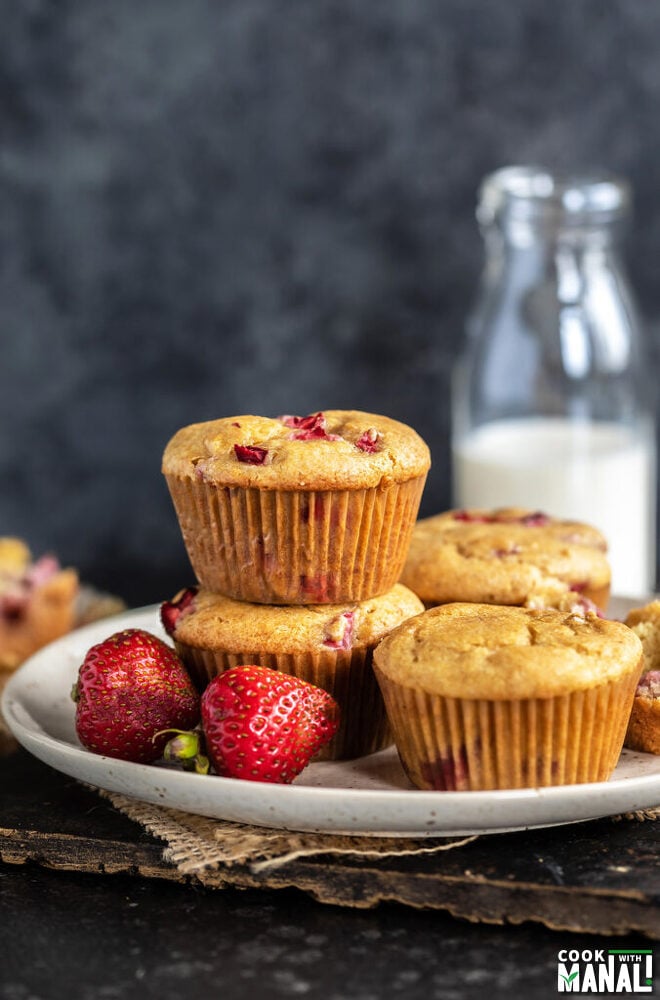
(201, 847)
(197, 845)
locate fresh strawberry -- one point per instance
(130, 688)
(263, 725)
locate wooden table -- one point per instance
(601, 877)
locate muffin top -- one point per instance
(645, 622)
(499, 653)
(503, 556)
(211, 621)
(648, 614)
(337, 449)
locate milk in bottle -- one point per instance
(552, 400)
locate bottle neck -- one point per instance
(529, 204)
(522, 259)
(554, 330)
(515, 235)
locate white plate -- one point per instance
(369, 796)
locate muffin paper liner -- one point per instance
(458, 744)
(345, 674)
(296, 547)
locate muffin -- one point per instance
(37, 602)
(330, 646)
(483, 696)
(644, 725)
(508, 556)
(297, 510)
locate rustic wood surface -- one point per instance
(599, 877)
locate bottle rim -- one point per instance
(527, 193)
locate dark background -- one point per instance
(214, 208)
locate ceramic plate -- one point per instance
(369, 796)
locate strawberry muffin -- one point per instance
(330, 646)
(485, 696)
(37, 602)
(297, 510)
(507, 556)
(644, 725)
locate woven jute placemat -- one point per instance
(197, 845)
(200, 846)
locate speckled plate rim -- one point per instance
(370, 796)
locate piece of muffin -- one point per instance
(37, 602)
(644, 725)
(330, 646)
(484, 696)
(508, 556)
(298, 510)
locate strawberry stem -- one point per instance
(185, 748)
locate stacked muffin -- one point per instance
(297, 529)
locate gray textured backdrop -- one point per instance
(210, 208)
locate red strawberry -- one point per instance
(263, 725)
(130, 687)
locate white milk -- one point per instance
(602, 474)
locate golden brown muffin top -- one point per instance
(337, 449)
(503, 556)
(648, 613)
(212, 621)
(498, 653)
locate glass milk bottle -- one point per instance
(552, 404)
